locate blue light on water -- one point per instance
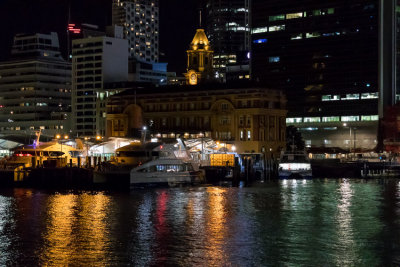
(260, 41)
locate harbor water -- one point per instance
(321, 222)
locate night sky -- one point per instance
(178, 21)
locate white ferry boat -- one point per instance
(172, 167)
(294, 165)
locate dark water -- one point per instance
(286, 223)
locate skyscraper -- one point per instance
(325, 56)
(228, 29)
(95, 61)
(35, 87)
(139, 18)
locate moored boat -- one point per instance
(173, 167)
(294, 165)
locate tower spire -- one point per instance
(200, 18)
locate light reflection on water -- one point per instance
(75, 230)
(319, 222)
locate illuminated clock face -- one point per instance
(192, 78)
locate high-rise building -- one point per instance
(35, 87)
(139, 19)
(228, 29)
(325, 57)
(95, 61)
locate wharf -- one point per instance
(354, 169)
(94, 178)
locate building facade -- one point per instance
(325, 57)
(139, 19)
(35, 87)
(252, 119)
(228, 29)
(95, 61)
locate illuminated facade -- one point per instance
(199, 59)
(228, 29)
(325, 57)
(139, 18)
(95, 61)
(252, 119)
(35, 87)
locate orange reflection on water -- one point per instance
(215, 226)
(57, 249)
(75, 231)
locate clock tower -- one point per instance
(199, 59)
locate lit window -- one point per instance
(294, 15)
(330, 97)
(296, 36)
(369, 117)
(312, 119)
(350, 118)
(294, 120)
(260, 30)
(351, 97)
(330, 119)
(369, 95)
(312, 34)
(241, 135)
(277, 17)
(249, 135)
(274, 59)
(276, 28)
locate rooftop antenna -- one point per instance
(200, 18)
(69, 21)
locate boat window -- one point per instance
(169, 168)
(155, 153)
(56, 153)
(164, 153)
(23, 153)
(75, 154)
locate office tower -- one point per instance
(228, 29)
(325, 57)
(95, 61)
(35, 87)
(139, 19)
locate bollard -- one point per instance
(70, 163)
(33, 159)
(79, 162)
